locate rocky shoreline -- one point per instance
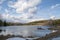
(51, 35)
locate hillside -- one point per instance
(41, 22)
(45, 22)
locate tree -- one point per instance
(5, 23)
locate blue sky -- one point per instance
(29, 10)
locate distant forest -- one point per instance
(3, 23)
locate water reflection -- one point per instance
(25, 31)
(58, 38)
(15, 38)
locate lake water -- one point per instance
(25, 31)
(58, 38)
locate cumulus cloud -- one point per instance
(52, 17)
(12, 18)
(32, 10)
(20, 19)
(6, 15)
(24, 7)
(54, 6)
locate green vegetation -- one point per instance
(1, 23)
(54, 22)
(46, 22)
(4, 23)
(42, 22)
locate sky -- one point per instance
(29, 10)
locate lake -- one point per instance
(58, 38)
(25, 31)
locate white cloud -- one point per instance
(54, 6)
(22, 5)
(26, 9)
(37, 19)
(20, 19)
(52, 17)
(1, 1)
(6, 15)
(32, 10)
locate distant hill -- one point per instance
(41, 22)
(45, 22)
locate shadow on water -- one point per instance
(0, 30)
